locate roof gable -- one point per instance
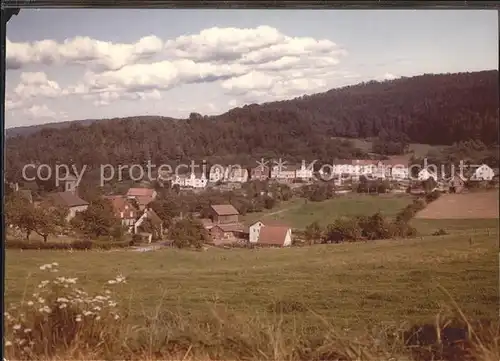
(138, 192)
(67, 199)
(224, 209)
(273, 235)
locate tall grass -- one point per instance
(60, 320)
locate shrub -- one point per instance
(431, 197)
(440, 232)
(343, 229)
(374, 227)
(403, 230)
(60, 317)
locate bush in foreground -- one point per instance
(59, 316)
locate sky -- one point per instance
(76, 64)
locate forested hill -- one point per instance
(433, 109)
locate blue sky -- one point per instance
(80, 64)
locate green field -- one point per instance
(298, 213)
(269, 303)
(379, 281)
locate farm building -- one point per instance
(275, 236)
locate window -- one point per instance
(121, 214)
(131, 214)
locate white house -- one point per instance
(191, 181)
(254, 231)
(237, 175)
(483, 173)
(304, 173)
(425, 174)
(218, 173)
(399, 172)
(283, 173)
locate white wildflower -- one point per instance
(30, 303)
(55, 264)
(112, 282)
(97, 318)
(45, 267)
(87, 313)
(62, 299)
(71, 280)
(17, 327)
(41, 300)
(97, 308)
(7, 344)
(117, 317)
(112, 304)
(27, 330)
(62, 306)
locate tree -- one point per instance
(97, 220)
(343, 229)
(188, 232)
(25, 216)
(313, 232)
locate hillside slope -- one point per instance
(433, 109)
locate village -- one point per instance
(223, 224)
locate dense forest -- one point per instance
(433, 109)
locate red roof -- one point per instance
(140, 192)
(273, 235)
(122, 204)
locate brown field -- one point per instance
(474, 205)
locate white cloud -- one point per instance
(255, 65)
(40, 111)
(389, 76)
(243, 61)
(103, 55)
(34, 84)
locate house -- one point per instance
(237, 174)
(366, 167)
(483, 173)
(304, 173)
(124, 210)
(342, 167)
(425, 174)
(224, 214)
(145, 193)
(284, 173)
(70, 201)
(223, 224)
(70, 183)
(275, 236)
(396, 167)
(261, 173)
(254, 229)
(191, 180)
(225, 233)
(154, 221)
(217, 173)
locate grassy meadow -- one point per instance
(304, 303)
(298, 213)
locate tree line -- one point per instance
(433, 109)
